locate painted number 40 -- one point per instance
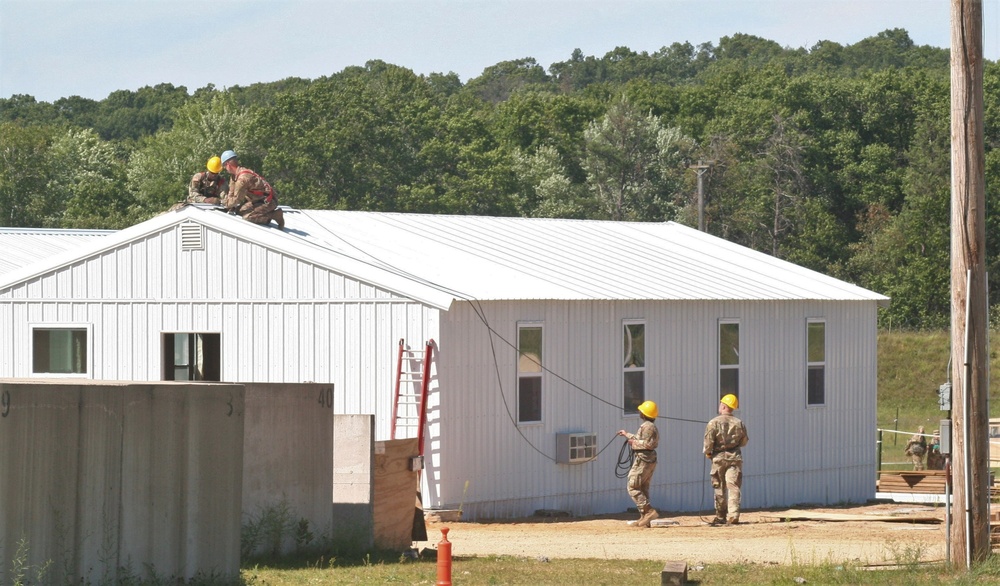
(325, 398)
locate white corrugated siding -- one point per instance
(820, 454)
(298, 322)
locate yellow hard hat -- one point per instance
(730, 401)
(648, 408)
(214, 164)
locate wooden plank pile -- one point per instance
(912, 481)
(994, 529)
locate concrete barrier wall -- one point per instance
(353, 480)
(288, 466)
(102, 481)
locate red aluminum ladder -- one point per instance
(409, 407)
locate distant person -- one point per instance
(724, 436)
(208, 186)
(916, 448)
(935, 459)
(250, 195)
(643, 444)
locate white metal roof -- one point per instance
(536, 258)
(439, 258)
(24, 246)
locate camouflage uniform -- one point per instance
(207, 187)
(935, 459)
(253, 198)
(724, 436)
(641, 473)
(916, 448)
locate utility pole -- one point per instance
(970, 539)
(700, 169)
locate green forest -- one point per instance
(835, 157)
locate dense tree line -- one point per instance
(835, 157)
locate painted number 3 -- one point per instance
(5, 404)
(325, 398)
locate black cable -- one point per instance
(625, 459)
(477, 308)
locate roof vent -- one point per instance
(192, 237)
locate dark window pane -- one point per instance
(635, 346)
(192, 357)
(817, 392)
(729, 344)
(529, 399)
(817, 342)
(529, 346)
(635, 391)
(729, 382)
(59, 351)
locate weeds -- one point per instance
(23, 573)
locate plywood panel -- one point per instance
(395, 489)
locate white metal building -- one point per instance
(619, 312)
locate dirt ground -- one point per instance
(763, 537)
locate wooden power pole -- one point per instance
(970, 539)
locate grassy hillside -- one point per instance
(911, 367)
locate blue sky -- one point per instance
(58, 48)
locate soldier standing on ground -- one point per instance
(250, 195)
(643, 444)
(916, 448)
(935, 460)
(724, 436)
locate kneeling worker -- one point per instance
(208, 186)
(250, 195)
(643, 444)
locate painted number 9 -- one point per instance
(5, 404)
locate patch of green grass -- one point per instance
(496, 570)
(911, 367)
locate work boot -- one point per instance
(717, 521)
(279, 217)
(733, 521)
(648, 515)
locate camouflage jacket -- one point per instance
(204, 185)
(248, 186)
(724, 436)
(645, 441)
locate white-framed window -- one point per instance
(192, 356)
(529, 372)
(633, 365)
(729, 358)
(815, 362)
(60, 350)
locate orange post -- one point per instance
(444, 559)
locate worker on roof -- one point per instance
(208, 186)
(643, 444)
(250, 195)
(724, 436)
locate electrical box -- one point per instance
(572, 448)
(944, 397)
(946, 436)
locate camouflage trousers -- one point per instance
(727, 479)
(918, 461)
(639, 477)
(260, 211)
